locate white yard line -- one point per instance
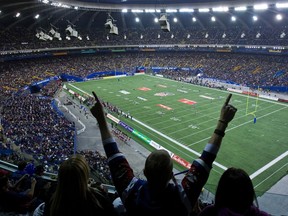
(240, 125)
(266, 100)
(271, 163)
(176, 142)
(270, 175)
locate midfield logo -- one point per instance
(163, 94)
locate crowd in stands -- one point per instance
(10, 39)
(31, 123)
(247, 70)
(98, 163)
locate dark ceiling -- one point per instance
(95, 19)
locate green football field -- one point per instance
(181, 117)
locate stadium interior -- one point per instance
(51, 49)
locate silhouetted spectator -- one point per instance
(234, 196)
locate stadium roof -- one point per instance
(90, 14)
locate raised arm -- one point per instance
(226, 115)
(121, 172)
(198, 174)
(99, 113)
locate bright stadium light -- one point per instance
(37, 16)
(255, 18)
(282, 35)
(233, 18)
(164, 23)
(137, 19)
(203, 10)
(220, 9)
(175, 19)
(187, 10)
(171, 10)
(156, 20)
(242, 8)
(281, 5)
(54, 33)
(279, 17)
(124, 10)
(194, 19)
(137, 11)
(213, 19)
(149, 10)
(260, 7)
(110, 25)
(18, 14)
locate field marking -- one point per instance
(270, 175)
(271, 163)
(176, 142)
(262, 99)
(165, 136)
(252, 176)
(239, 125)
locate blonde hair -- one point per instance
(72, 185)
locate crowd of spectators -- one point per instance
(247, 70)
(31, 123)
(10, 39)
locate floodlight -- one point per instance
(41, 35)
(164, 23)
(69, 29)
(54, 32)
(240, 8)
(260, 7)
(279, 17)
(72, 32)
(281, 5)
(203, 10)
(114, 30)
(108, 24)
